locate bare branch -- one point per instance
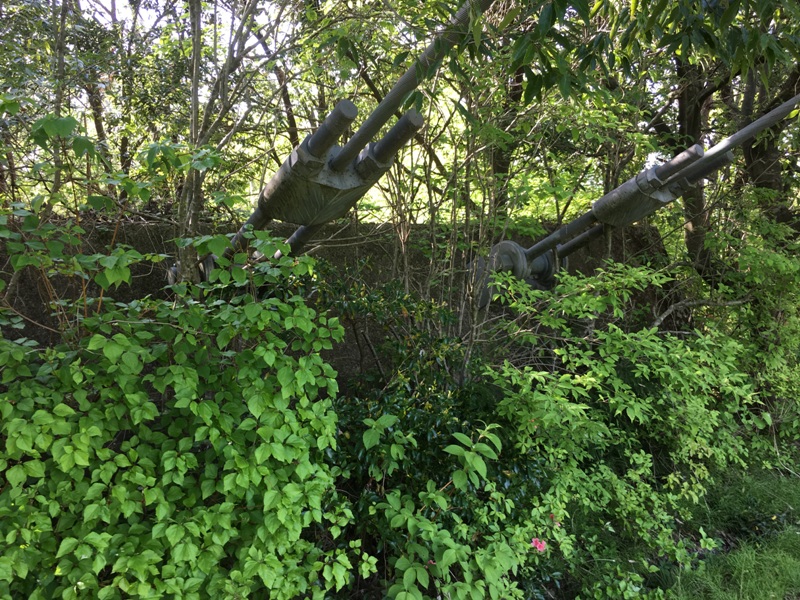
(695, 303)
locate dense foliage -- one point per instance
(580, 454)
(197, 442)
(177, 447)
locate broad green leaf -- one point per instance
(175, 534)
(107, 592)
(422, 575)
(34, 468)
(286, 376)
(239, 275)
(6, 570)
(224, 337)
(42, 417)
(96, 539)
(448, 558)
(278, 451)
(252, 310)
(463, 439)
(9, 106)
(63, 126)
(387, 421)
(151, 495)
(39, 137)
(409, 578)
(16, 475)
(98, 564)
(82, 145)
(455, 450)
(91, 512)
(371, 438)
(485, 450)
(131, 360)
(460, 480)
(113, 351)
(218, 245)
(68, 544)
(63, 410)
(95, 491)
(256, 405)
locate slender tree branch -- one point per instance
(692, 304)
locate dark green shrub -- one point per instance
(628, 425)
(571, 462)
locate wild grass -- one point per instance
(755, 517)
(757, 570)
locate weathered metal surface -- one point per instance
(632, 201)
(319, 181)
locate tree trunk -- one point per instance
(58, 101)
(763, 157)
(190, 200)
(693, 108)
(95, 96)
(502, 157)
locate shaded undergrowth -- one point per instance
(756, 518)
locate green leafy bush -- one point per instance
(198, 447)
(768, 325)
(176, 448)
(567, 458)
(423, 463)
(627, 424)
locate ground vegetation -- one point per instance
(592, 440)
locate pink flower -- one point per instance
(540, 545)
